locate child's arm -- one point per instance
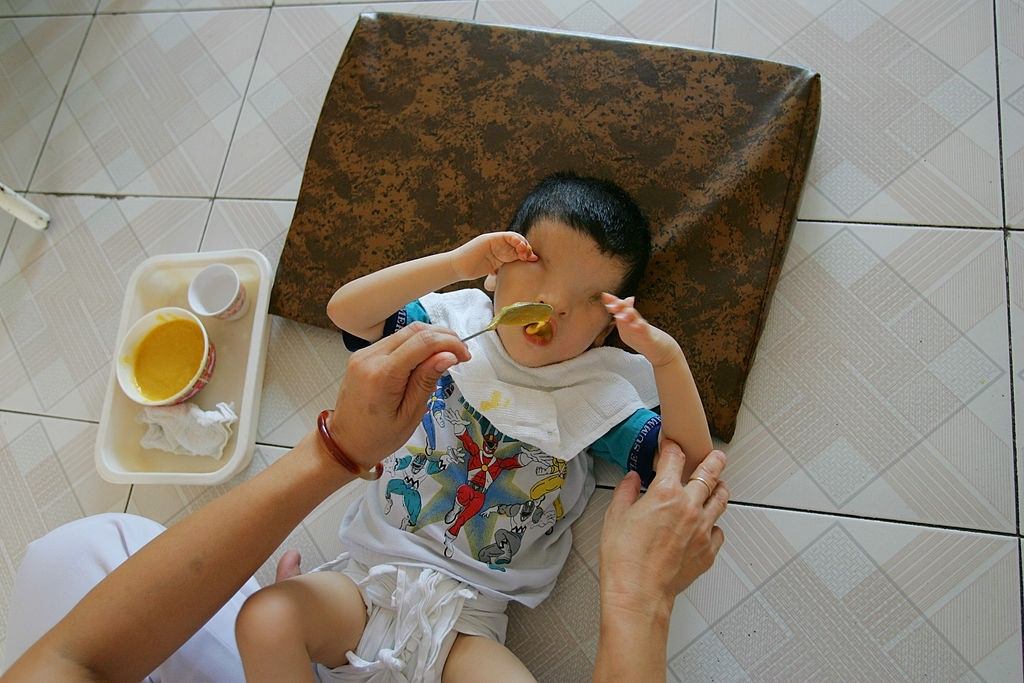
(362, 306)
(682, 413)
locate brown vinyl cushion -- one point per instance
(433, 131)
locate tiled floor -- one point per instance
(875, 534)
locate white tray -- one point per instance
(237, 377)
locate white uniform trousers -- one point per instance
(62, 566)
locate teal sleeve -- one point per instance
(410, 313)
(632, 444)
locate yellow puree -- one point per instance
(168, 358)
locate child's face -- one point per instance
(570, 274)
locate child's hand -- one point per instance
(485, 254)
(656, 345)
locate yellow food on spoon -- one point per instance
(524, 313)
(543, 329)
(520, 313)
(168, 359)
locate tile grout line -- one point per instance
(862, 518)
(1020, 584)
(177, 10)
(1009, 304)
(234, 130)
(935, 226)
(1013, 398)
(714, 26)
(46, 16)
(999, 112)
(131, 195)
(3, 250)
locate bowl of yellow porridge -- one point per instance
(165, 358)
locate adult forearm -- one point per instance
(360, 307)
(150, 605)
(632, 645)
(682, 413)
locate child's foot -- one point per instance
(288, 565)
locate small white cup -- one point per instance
(218, 292)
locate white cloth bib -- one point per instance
(560, 408)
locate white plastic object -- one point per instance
(238, 378)
(22, 209)
(218, 292)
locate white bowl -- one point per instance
(138, 332)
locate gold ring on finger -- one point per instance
(703, 481)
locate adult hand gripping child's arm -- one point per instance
(362, 306)
(682, 413)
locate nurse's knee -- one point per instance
(105, 540)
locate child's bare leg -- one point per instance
(282, 628)
(472, 654)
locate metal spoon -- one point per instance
(521, 313)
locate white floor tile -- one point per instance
(36, 57)
(47, 478)
(304, 369)
(61, 293)
(908, 129)
(679, 22)
(152, 104)
(882, 378)
(1010, 28)
(850, 599)
(260, 225)
(297, 60)
(24, 7)
(322, 524)
(113, 6)
(796, 596)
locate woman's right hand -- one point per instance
(385, 389)
(485, 254)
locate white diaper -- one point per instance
(413, 616)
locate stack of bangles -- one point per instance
(323, 430)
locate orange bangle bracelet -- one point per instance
(335, 450)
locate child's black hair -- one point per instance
(598, 208)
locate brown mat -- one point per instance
(433, 131)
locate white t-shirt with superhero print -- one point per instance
(479, 504)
